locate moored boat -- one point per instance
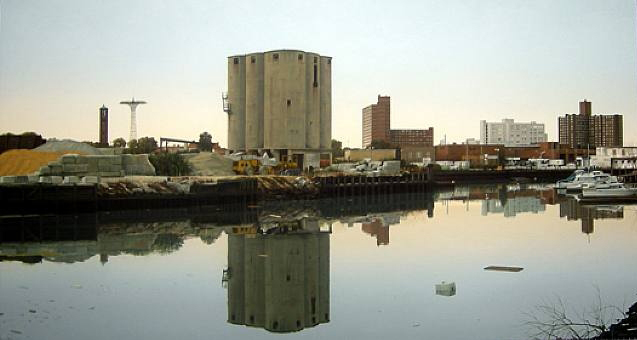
(615, 190)
(581, 178)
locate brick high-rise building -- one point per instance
(376, 121)
(585, 130)
(376, 126)
(412, 137)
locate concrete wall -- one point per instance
(355, 155)
(237, 100)
(254, 101)
(325, 85)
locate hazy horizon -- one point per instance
(446, 64)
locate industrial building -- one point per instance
(510, 133)
(376, 127)
(280, 102)
(103, 126)
(585, 130)
(279, 282)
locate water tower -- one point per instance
(133, 116)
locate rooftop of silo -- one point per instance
(280, 50)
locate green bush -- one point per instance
(170, 164)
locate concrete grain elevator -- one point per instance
(280, 102)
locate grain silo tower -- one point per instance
(280, 102)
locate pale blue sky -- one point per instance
(446, 64)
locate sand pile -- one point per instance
(68, 146)
(23, 162)
(209, 164)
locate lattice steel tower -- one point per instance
(133, 116)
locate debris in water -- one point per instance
(504, 269)
(76, 286)
(446, 288)
(16, 331)
(32, 311)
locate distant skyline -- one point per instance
(446, 64)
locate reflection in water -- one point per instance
(379, 227)
(279, 282)
(278, 274)
(513, 206)
(77, 238)
(573, 210)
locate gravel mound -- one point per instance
(210, 164)
(68, 146)
(24, 162)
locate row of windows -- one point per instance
(275, 57)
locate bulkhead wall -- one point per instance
(284, 100)
(254, 101)
(237, 100)
(325, 79)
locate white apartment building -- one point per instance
(511, 133)
(622, 158)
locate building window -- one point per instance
(315, 76)
(329, 61)
(300, 57)
(315, 60)
(253, 60)
(289, 102)
(236, 61)
(275, 57)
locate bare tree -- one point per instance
(555, 320)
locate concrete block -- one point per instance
(34, 179)
(8, 179)
(56, 179)
(22, 179)
(109, 173)
(71, 179)
(90, 179)
(55, 169)
(117, 159)
(69, 159)
(122, 173)
(105, 161)
(44, 170)
(92, 167)
(72, 168)
(89, 159)
(45, 179)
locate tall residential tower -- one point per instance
(585, 130)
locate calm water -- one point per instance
(361, 269)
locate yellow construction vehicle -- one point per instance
(246, 166)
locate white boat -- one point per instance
(580, 177)
(613, 190)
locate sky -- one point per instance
(446, 64)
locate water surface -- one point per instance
(360, 269)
